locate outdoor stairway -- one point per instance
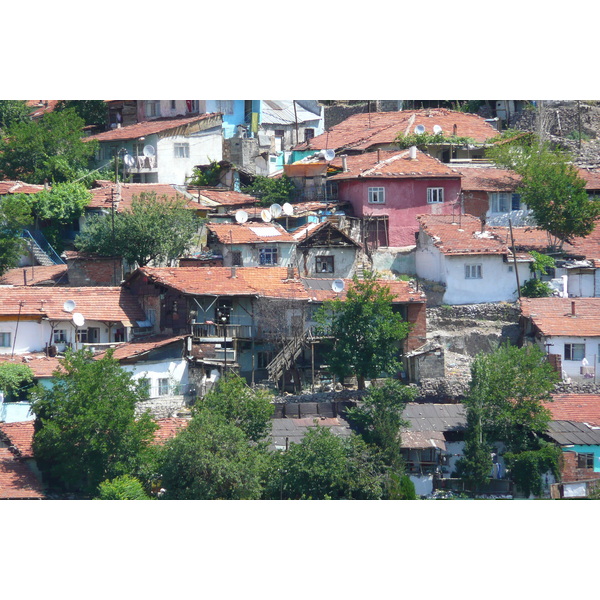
(43, 252)
(288, 355)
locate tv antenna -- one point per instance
(275, 210)
(241, 216)
(437, 129)
(69, 306)
(419, 129)
(148, 150)
(338, 286)
(265, 215)
(288, 209)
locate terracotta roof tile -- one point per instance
(591, 177)
(168, 428)
(582, 408)
(144, 128)
(94, 303)
(487, 179)
(18, 187)
(588, 246)
(38, 362)
(461, 234)
(553, 316)
(363, 130)
(269, 282)
(102, 196)
(19, 435)
(141, 346)
(320, 290)
(250, 233)
(226, 197)
(395, 164)
(17, 482)
(37, 275)
(526, 238)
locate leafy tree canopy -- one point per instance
(15, 215)
(86, 431)
(365, 329)
(13, 111)
(123, 487)
(272, 191)
(550, 186)
(50, 148)
(93, 112)
(154, 229)
(15, 380)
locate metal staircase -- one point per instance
(43, 252)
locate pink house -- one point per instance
(388, 189)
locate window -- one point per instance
(264, 358)
(376, 195)
(152, 108)
(324, 264)
(473, 272)
(5, 339)
(267, 256)
(107, 152)
(574, 351)
(82, 336)
(163, 386)
(504, 202)
(173, 104)
(225, 107)
(151, 315)
(236, 258)
(435, 195)
(585, 460)
(309, 134)
(59, 336)
(332, 190)
(182, 150)
(279, 135)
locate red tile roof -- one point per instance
(271, 282)
(18, 187)
(360, 131)
(487, 179)
(36, 275)
(38, 362)
(250, 233)
(526, 238)
(102, 196)
(553, 316)
(461, 234)
(41, 107)
(17, 482)
(168, 428)
(581, 408)
(394, 164)
(226, 197)
(19, 435)
(113, 304)
(591, 177)
(320, 290)
(588, 246)
(138, 348)
(144, 128)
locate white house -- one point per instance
(473, 263)
(163, 150)
(568, 329)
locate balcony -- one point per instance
(142, 164)
(211, 332)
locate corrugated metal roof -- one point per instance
(572, 433)
(435, 417)
(282, 112)
(295, 429)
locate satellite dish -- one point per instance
(288, 209)
(149, 150)
(437, 129)
(420, 129)
(338, 286)
(69, 306)
(275, 210)
(78, 319)
(265, 215)
(241, 216)
(129, 160)
(329, 155)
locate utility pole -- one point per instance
(512, 239)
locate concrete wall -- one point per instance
(343, 261)
(400, 262)
(572, 367)
(251, 253)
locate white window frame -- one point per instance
(152, 108)
(376, 195)
(435, 195)
(268, 256)
(473, 271)
(499, 201)
(163, 386)
(181, 149)
(4, 336)
(572, 351)
(59, 336)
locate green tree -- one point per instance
(271, 191)
(85, 430)
(325, 466)
(250, 410)
(123, 487)
(15, 380)
(50, 148)
(13, 111)
(212, 459)
(528, 467)
(153, 229)
(15, 215)
(379, 418)
(550, 186)
(93, 112)
(366, 331)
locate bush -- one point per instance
(536, 288)
(124, 487)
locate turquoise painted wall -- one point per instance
(595, 450)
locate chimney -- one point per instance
(290, 272)
(344, 158)
(46, 185)
(378, 155)
(573, 308)
(233, 272)
(412, 153)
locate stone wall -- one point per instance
(161, 408)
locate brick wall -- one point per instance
(475, 203)
(417, 315)
(570, 470)
(87, 271)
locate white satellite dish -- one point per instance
(420, 129)
(78, 319)
(265, 215)
(241, 216)
(437, 129)
(69, 306)
(149, 150)
(275, 210)
(338, 286)
(329, 155)
(288, 209)
(129, 160)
